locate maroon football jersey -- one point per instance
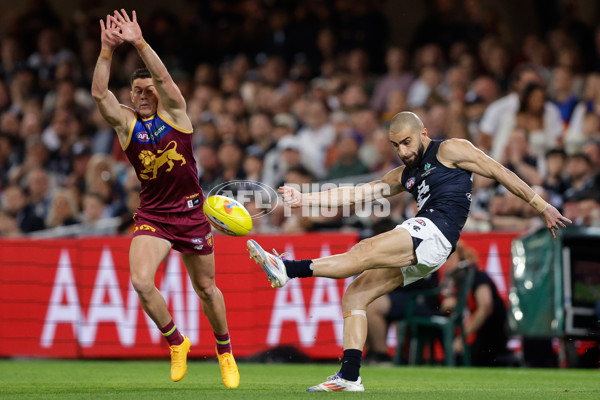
(163, 158)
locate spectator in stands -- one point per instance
(488, 318)
(555, 183)
(425, 89)
(506, 212)
(15, 203)
(63, 209)
(348, 163)
(253, 163)
(397, 79)
(230, 157)
(316, 137)
(39, 191)
(132, 201)
(508, 106)
(541, 134)
(8, 158)
(208, 167)
(580, 176)
(562, 93)
(517, 157)
(93, 217)
(386, 156)
(9, 227)
(36, 156)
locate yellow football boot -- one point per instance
(179, 359)
(229, 370)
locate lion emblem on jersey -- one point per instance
(152, 162)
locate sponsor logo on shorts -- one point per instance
(469, 196)
(144, 227)
(420, 222)
(410, 183)
(193, 202)
(197, 240)
(199, 247)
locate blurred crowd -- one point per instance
(300, 92)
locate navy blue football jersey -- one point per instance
(443, 194)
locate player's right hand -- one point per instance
(130, 30)
(291, 197)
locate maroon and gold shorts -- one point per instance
(188, 233)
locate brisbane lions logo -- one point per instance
(152, 163)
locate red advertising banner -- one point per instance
(73, 298)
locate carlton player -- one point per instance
(157, 137)
(438, 175)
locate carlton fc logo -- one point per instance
(410, 183)
(152, 162)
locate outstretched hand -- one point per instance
(291, 197)
(129, 29)
(554, 220)
(109, 34)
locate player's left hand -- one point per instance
(109, 34)
(130, 30)
(554, 220)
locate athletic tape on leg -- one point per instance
(355, 312)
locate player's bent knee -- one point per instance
(354, 299)
(360, 252)
(142, 284)
(205, 288)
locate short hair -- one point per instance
(140, 73)
(581, 156)
(556, 152)
(406, 119)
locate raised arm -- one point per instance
(459, 153)
(116, 115)
(387, 186)
(171, 101)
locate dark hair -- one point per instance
(518, 72)
(529, 89)
(581, 156)
(140, 73)
(556, 152)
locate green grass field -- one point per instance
(26, 379)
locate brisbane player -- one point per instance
(156, 136)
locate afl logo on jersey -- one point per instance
(410, 183)
(143, 137)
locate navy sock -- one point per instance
(299, 268)
(351, 364)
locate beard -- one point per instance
(415, 158)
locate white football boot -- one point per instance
(271, 264)
(335, 383)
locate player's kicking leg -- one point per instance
(389, 249)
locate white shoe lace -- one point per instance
(282, 255)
